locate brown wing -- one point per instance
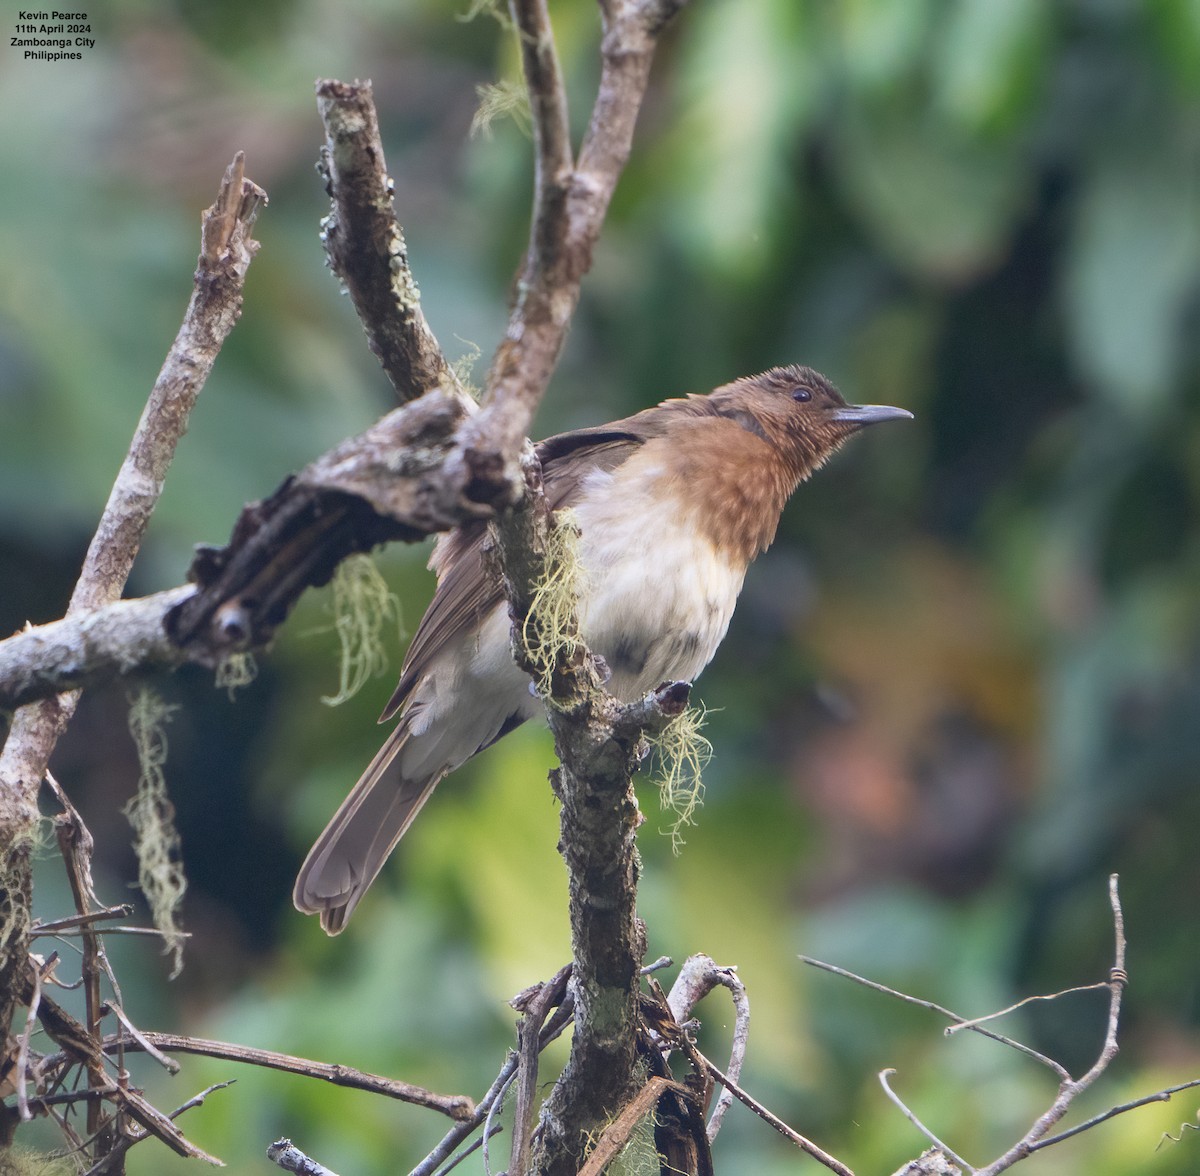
(465, 593)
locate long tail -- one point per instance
(359, 838)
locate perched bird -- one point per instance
(672, 505)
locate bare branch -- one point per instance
(568, 217)
(884, 1075)
(699, 975)
(365, 243)
(456, 1106)
(291, 1159)
(805, 1145)
(461, 1131)
(1070, 1089)
(551, 134)
(226, 251)
(1049, 1063)
(536, 1009)
(225, 254)
(1163, 1095)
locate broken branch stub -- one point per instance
(388, 483)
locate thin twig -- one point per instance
(470, 1149)
(21, 1077)
(491, 1127)
(833, 969)
(61, 926)
(1070, 1089)
(657, 965)
(461, 1131)
(912, 1118)
(536, 1009)
(804, 1144)
(950, 1030)
(1163, 1095)
(457, 1106)
(551, 134)
(697, 978)
(143, 1042)
(75, 843)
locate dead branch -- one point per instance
(1070, 1089)
(536, 1008)
(225, 254)
(550, 1030)
(291, 1159)
(456, 1106)
(365, 243)
(907, 1112)
(975, 1027)
(699, 975)
(385, 484)
(789, 1133)
(616, 1135)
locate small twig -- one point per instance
(62, 926)
(461, 1131)
(470, 1149)
(127, 1140)
(657, 965)
(833, 969)
(912, 1118)
(21, 1077)
(551, 134)
(536, 1009)
(1168, 1137)
(950, 1030)
(1163, 1095)
(152, 932)
(805, 1145)
(75, 843)
(291, 1159)
(457, 1106)
(168, 1064)
(1070, 1089)
(697, 978)
(198, 1099)
(491, 1127)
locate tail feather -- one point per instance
(351, 851)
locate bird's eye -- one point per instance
(801, 394)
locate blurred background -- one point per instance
(961, 689)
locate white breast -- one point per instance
(658, 595)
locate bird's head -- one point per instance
(798, 412)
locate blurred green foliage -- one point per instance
(960, 691)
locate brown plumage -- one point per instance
(673, 503)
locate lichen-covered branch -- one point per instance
(569, 213)
(365, 243)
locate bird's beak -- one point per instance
(869, 414)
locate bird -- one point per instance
(672, 504)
